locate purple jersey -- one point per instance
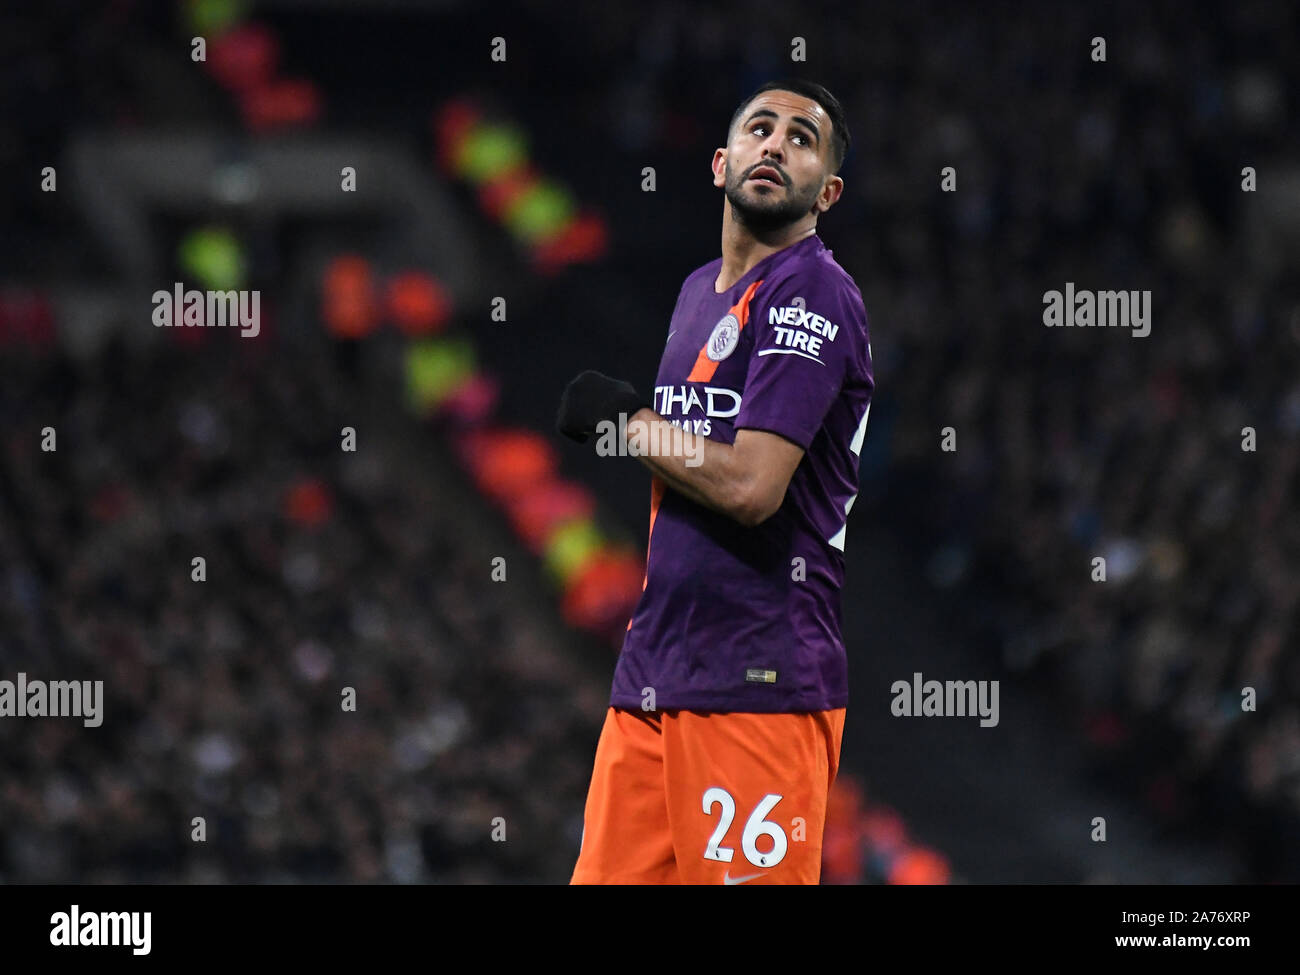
(748, 619)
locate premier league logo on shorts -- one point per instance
(726, 334)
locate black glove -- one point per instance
(591, 397)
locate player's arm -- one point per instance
(789, 388)
(746, 480)
(794, 376)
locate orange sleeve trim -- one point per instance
(705, 367)
(656, 498)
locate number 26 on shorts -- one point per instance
(755, 827)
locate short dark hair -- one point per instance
(840, 141)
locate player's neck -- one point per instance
(742, 248)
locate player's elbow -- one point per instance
(754, 503)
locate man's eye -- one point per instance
(761, 130)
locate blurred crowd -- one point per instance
(467, 755)
(1076, 444)
(230, 749)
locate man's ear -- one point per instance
(832, 191)
(720, 168)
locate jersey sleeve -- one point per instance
(809, 333)
(681, 293)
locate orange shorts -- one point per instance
(686, 797)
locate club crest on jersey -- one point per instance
(725, 337)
